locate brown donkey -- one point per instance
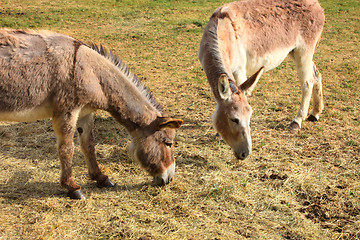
(245, 36)
(49, 75)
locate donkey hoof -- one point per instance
(76, 195)
(312, 118)
(294, 126)
(106, 183)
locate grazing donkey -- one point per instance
(50, 75)
(245, 36)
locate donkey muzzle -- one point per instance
(166, 177)
(242, 154)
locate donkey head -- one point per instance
(232, 115)
(152, 146)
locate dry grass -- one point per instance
(295, 185)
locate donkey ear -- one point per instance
(224, 87)
(252, 80)
(170, 123)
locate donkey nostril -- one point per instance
(163, 182)
(159, 181)
(241, 156)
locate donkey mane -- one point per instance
(216, 56)
(214, 50)
(126, 71)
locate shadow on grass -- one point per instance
(194, 159)
(191, 124)
(18, 187)
(37, 140)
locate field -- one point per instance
(296, 184)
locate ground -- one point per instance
(295, 185)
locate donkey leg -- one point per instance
(317, 96)
(240, 77)
(87, 143)
(64, 126)
(304, 67)
(240, 73)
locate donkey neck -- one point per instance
(129, 105)
(127, 100)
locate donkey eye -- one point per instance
(235, 120)
(168, 144)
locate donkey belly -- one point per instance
(269, 60)
(40, 112)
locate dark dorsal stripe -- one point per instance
(77, 45)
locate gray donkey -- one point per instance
(49, 75)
